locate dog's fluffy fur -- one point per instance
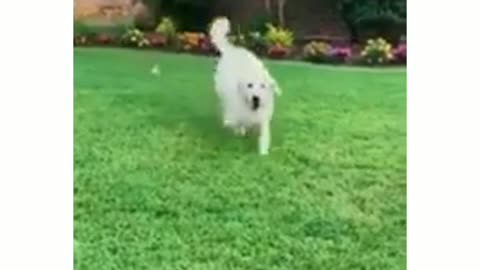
(244, 86)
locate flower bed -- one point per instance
(195, 42)
(276, 43)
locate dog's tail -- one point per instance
(218, 33)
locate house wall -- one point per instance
(103, 12)
(304, 17)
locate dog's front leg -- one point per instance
(240, 130)
(264, 138)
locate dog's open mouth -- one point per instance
(255, 103)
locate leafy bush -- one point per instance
(81, 33)
(96, 34)
(278, 41)
(252, 40)
(238, 39)
(136, 38)
(256, 42)
(167, 28)
(369, 18)
(113, 30)
(80, 28)
(80, 40)
(317, 51)
(361, 11)
(277, 36)
(191, 15)
(259, 23)
(377, 51)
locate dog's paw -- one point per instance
(263, 152)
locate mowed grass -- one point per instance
(159, 184)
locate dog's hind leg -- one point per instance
(264, 139)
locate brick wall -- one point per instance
(305, 17)
(103, 12)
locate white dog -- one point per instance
(244, 86)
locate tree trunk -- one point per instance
(281, 12)
(268, 6)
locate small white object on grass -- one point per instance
(155, 70)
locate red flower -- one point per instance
(156, 39)
(104, 38)
(205, 44)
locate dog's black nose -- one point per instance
(255, 102)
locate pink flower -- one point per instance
(341, 52)
(401, 51)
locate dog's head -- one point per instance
(257, 92)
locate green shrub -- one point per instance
(377, 51)
(135, 37)
(277, 36)
(167, 28)
(190, 15)
(372, 18)
(252, 40)
(115, 30)
(86, 29)
(317, 51)
(256, 42)
(259, 23)
(80, 40)
(238, 39)
(81, 28)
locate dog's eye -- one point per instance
(250, 85)
(262, 85)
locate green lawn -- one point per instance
(159, 184)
